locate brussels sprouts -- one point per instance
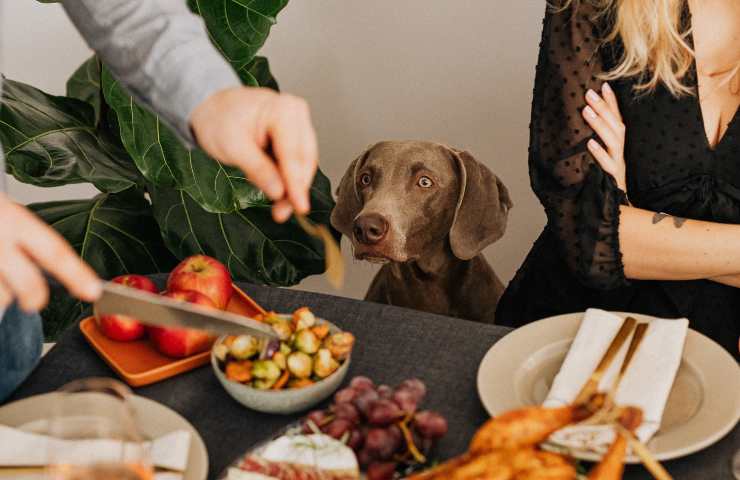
(263, 384)
(265, 370)
(306, 341)
(340, 344)
(281, 360)
(221, 351)
(303, 318)
(244, 346)
(299, 365)
(283, 329)
(324, 364)
(285, 349)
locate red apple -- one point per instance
(182, 342)
(121, 327)
(203, 274)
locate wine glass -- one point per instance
(93, 434)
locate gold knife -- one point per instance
(592, 384)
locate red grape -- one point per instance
(430, 424)
(355, 440)
(381, 471)
(364, 400)
(345, 395)
(338, 427)
(346, 411)
(317, 417)
(384, 412)
(384, 391)
(361, 383)
(405, 399)
(382, 442)
(365, 457)
(416, 386)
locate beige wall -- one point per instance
(454, 71)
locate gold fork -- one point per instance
(332, 254)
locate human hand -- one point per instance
(602, 114)
(26, 246)
(237, 125)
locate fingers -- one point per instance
(601, 156)
(51, 252)
(6, 297)
(281, 211)
(602, 128)
(23, 279)
(260, 169)
(611, 99)
(296, 152)
(604, 110)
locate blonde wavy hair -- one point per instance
(656, 47)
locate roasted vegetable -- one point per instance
(270, 349)
(285, 349)
(244, 346)
(340, 344)
(321, 331)
(324, 364)
(221, 351)
(283, 329)
(303, 318)
(281, 360)
(299, 365)
(265, 370)
(239, 371)
(306, 341)
(281, 381)
(300, 382)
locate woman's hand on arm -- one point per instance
(657, 246)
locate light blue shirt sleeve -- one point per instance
(158, 50)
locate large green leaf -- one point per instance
(166, 162)
(255, 248)
(114, 232)
(50, 141)
(84, 84)
(238, 28)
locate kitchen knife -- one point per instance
(162, 311)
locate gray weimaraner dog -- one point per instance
(426, 211)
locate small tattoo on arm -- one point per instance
(677, 221)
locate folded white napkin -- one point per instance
(24, 449)
(646, 384)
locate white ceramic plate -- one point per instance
(154, 419)
(703, 406)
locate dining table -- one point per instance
(392, 344)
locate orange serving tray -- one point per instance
(138, 363)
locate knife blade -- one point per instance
(162, 311)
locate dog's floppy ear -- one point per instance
(482, 208)
(348, 198)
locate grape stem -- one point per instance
(403, 425)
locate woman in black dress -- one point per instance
(639, 177)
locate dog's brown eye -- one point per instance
(425, 182)
(365, 179)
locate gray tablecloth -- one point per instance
(393, 344)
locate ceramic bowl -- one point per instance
(284, 401)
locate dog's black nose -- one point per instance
(370, 229)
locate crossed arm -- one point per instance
(654, 245)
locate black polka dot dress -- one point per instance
(576, 262)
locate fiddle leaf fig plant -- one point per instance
(159, 200)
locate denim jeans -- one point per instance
(21, 340)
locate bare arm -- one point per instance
(656, 246)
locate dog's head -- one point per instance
(400, 199)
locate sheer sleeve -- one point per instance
(580, 199)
